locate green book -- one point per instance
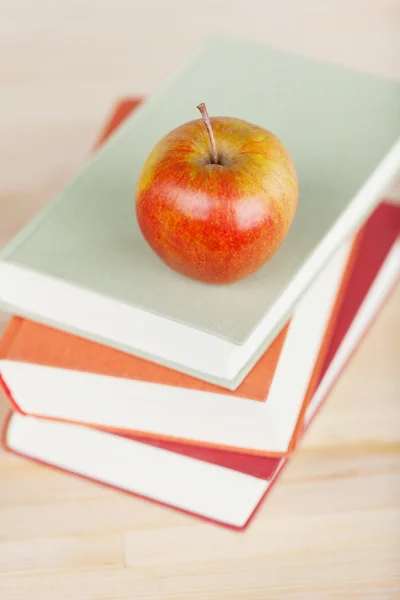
(83, 266)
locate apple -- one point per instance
(216, 198)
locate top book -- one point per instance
(83, 266)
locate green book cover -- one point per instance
(338, 125)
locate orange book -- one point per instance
(231, 480)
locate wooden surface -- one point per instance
(331, 528)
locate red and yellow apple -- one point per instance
(216, 198)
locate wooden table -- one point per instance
(331, 528)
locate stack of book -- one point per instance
(193, 395)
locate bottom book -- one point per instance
(228, 489)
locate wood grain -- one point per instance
(331, 528)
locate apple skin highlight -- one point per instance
(217, 223)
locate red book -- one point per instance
(225, 486)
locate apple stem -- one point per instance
(214, 152)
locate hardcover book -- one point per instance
(83, 267)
